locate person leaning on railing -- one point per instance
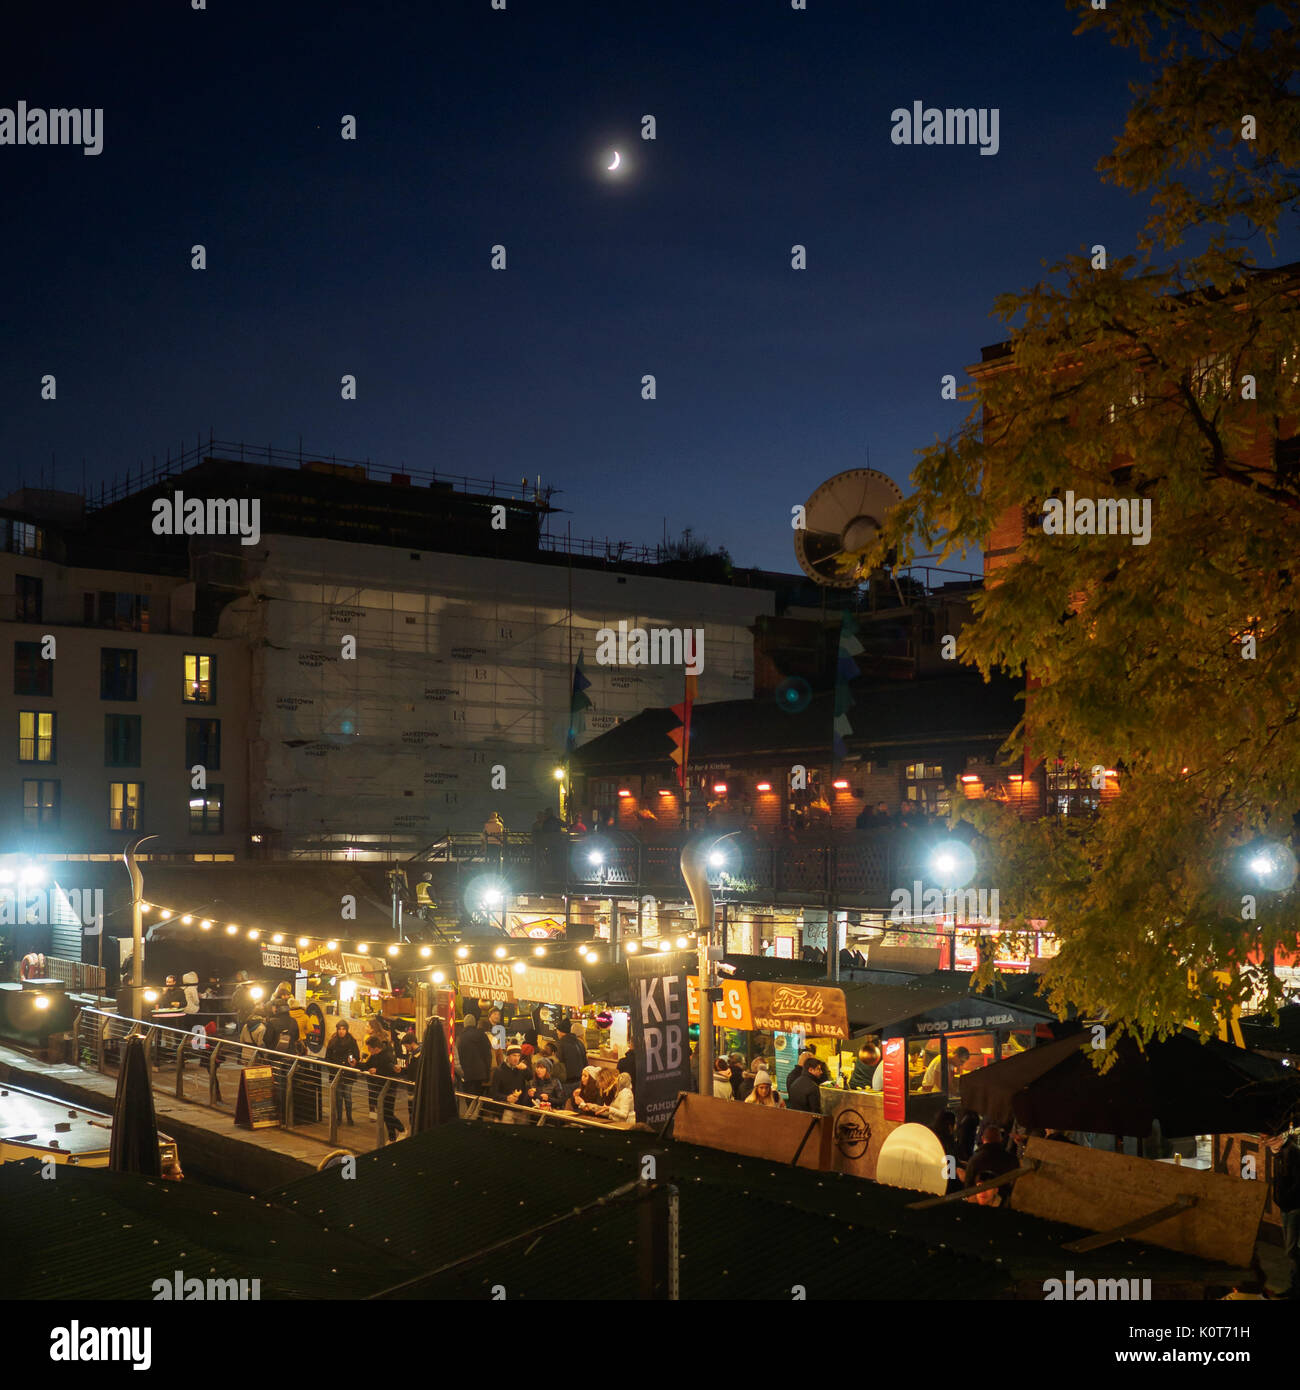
(379, 1064)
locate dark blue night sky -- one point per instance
(477, 126)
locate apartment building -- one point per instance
(115, 720)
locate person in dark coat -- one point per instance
(804, 1091)
(342, 1051)
(945, 1126)
(379, 1064)
(990, 1160)
(282, 1033)
(474, 1050)
(627, 1063)
(968, 1128)
(511, 1080)
(796, 1071)
(573, 1056)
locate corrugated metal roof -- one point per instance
(955, 706)
(750, 1229)
(90, 1233)
(453, 1191)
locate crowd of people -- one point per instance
(910, 815)
(752, 1082)
(978, 1153)
(540, 1072)
(383, 1053)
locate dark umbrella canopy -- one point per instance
(134, 1145)
(1188, 1086)
(435, 1098)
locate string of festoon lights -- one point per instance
(414, 955)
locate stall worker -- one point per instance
(864, 1069)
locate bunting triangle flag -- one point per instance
(681, 736)
(578, 704)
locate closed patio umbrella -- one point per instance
(133, 1147)
(435, 1097)
(1188, 1086)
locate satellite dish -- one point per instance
(842, 520)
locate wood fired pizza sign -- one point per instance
(814, 1009)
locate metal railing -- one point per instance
(310, 1093)
(508, 1112)
(189, 456)
(76, 976)
(855, 868)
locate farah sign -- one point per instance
(812, 1009)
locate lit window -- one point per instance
(200, 679)
(125, 805)
(36, 736)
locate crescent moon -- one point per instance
(618, 158)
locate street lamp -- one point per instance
(696, 857)
(953, 864)
(1270, 863)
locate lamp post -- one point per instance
(697, 857)
(132, 996)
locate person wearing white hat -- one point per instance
(764, 1093)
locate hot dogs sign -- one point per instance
(496, 980)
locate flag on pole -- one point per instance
(846, 670)
(578, 703)
(681, 736)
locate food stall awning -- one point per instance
(921, 1008)
(299, 898)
